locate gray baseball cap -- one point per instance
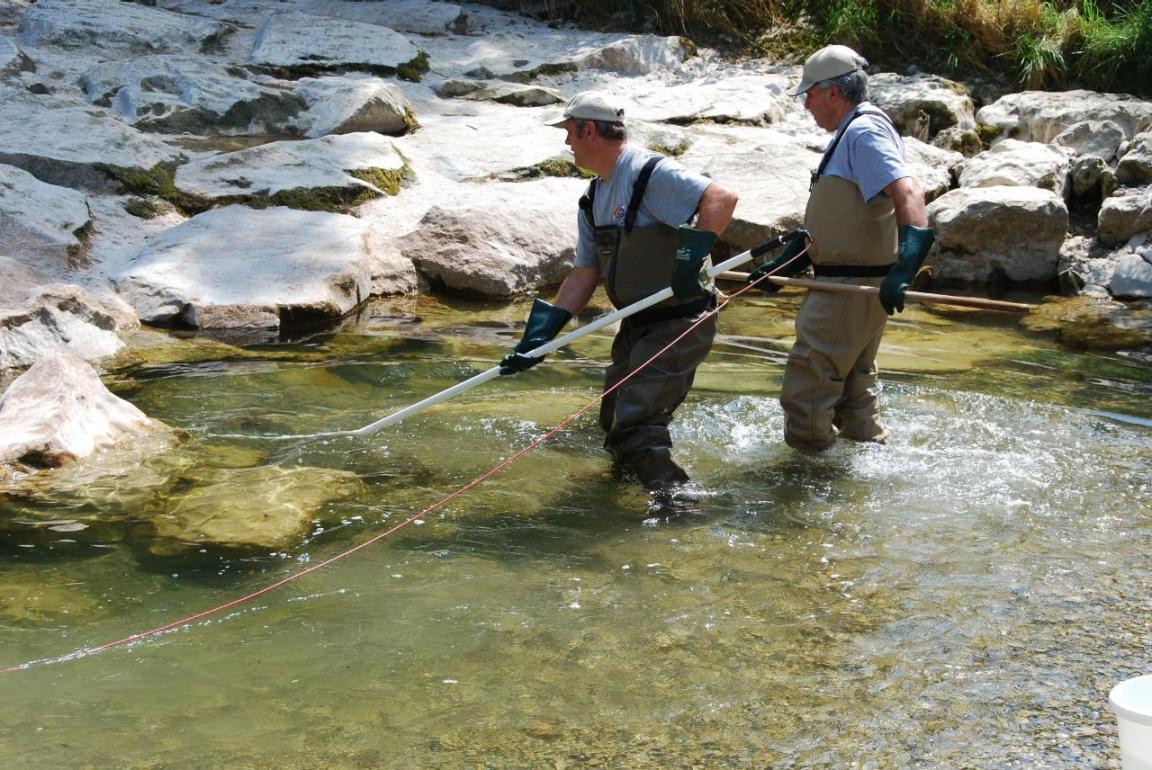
(829, 62)
(592, 105)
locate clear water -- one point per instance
(963, 597)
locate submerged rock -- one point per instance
(1094, 323)
(262, 509)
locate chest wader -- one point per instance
(636, 262)
(830, 379)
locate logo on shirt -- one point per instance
(618, 215)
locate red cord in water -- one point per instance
(84, 652)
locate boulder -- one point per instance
(118, 27)
(1041, 116)
(994, 233)
(922, 105)
(1135, 166)
(73, 146)
(41, 222)
(637, 55)
(1132, 274)
(934, 166)
(755, 99)
(246, 510)
(771, 171)
(1091, 175)
(1013, 163)
(352, 103)
(59, 412)
(39, 319)
(257, 272)
(180, 94)
(1098, 138)
(1125, 214)
(302, 44)
(332, 173)
(499, 91)
(499, 240)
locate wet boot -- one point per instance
(655, 467)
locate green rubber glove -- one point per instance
(910, 254)
(784, 264)
(544, 322)
(691, 248)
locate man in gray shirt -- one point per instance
(632, 236)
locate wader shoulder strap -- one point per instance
(638, 191)
(832, 147)
(586, 203)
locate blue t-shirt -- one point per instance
(870, 154)
(672, 196)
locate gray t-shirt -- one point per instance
(870, 154)
(671, 198)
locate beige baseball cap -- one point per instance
(829, 62)
(592, 105)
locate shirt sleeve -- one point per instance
(585, 241)
(673, 193)
(876, 157)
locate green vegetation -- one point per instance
(1038, 44)
(159, 181)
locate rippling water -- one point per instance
(963, 597)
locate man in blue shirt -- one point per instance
(868, 225)
(632, 236)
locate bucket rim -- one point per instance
(1119, 701)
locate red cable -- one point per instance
(84, 652)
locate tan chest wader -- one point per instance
(636, 262)
(830, 379)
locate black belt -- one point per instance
(671, 312)
(851, 271)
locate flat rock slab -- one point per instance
(65, 144)
(181, 94)
(318, 174)
(748, 99)
(238, 268)
(305, 43)
(501, 92)
(262, 509)
(111, 25)
(38, 220)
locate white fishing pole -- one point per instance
(548, 347)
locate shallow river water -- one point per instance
(963, 597)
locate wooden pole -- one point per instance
(915, 296)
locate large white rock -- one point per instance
(934, 166)
(1099, 138)
(350, 103)
(1013, 163)
(181, 94)
(300, 41)
(59, 411)
(1135, 166)
(281, 167)
(1041, 116)
(243, 269)
(39, 318)
(498, 240)
(926, 101)
(40, 221)
(65, 144)
(1124, 215)
(1132, 276)
(770, 171)
(1013, 232)
(742, 98)
(112, 25)
(419, 17)
(636, 55)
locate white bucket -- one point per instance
(1132, 702)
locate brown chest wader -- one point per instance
(829, 383)
(636, 262)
